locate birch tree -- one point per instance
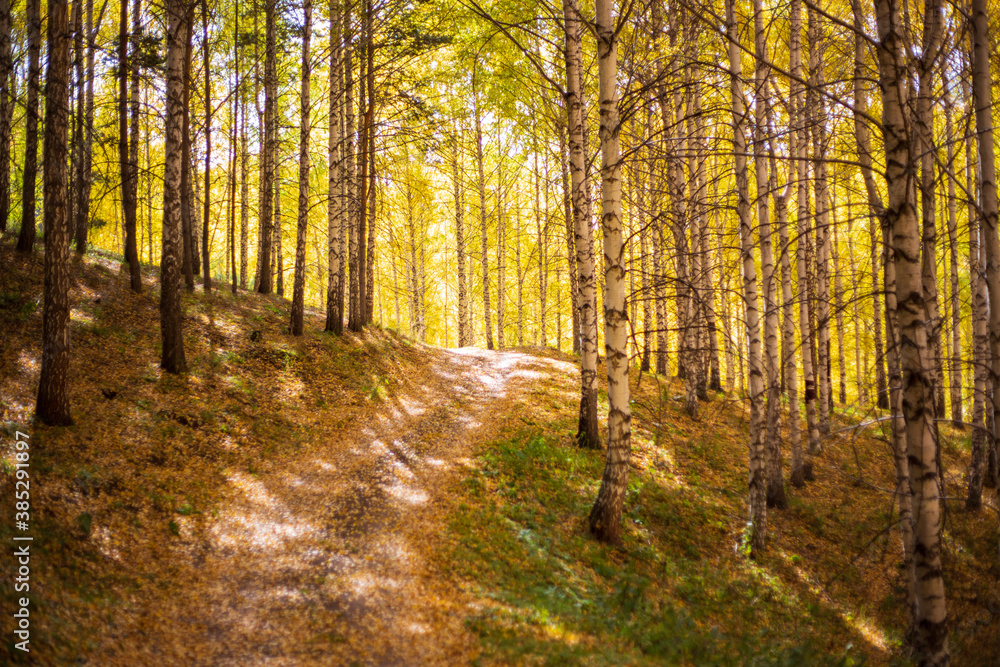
(605, 516)
(930, 612)
(171, 318)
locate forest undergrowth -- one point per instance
(677, 590)
(131, 504)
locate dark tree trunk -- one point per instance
(77, 119)
(26, 238)
(187, 224)
(368, 295)
(82, 212)
(206, 268)
(265, 281)
(232, 158)
(52, 406)
(299, 287)
(172, 356)
(355, 319)
(126, 169)
(6, 112)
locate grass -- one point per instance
(677, 589)
(554, 596)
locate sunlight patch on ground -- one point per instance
(252, 488)
(864, 626)
(410, 407)
(259, 531)
(292, 387)
(105, 544)
(265, 528)
(468, 421)
(78, 315)
(408, 494)
(27, 362)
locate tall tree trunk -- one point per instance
(354, 184)
(277, 255)
(149, 180)
(587, 430)
(955, 357)
(799, 138)
(127, 174)
(790, 368)
(898, 422)
(816, 106)
(772, 438)
(52, 405)
(335, 203)
(299, 286)
(519, 270)
(701, 353)
(982, 435)
(265, 284)
(359, 204)
(646, 293)
(605, 516)
(422, 300)
(206, 254)
(659, 270)
(481, 183)
(348, 163)
(368, 253)
(244, 185)
(171, 318)
(571, 268)
(7, 109)
(863, 142)
(26, 237)
(234, 137)
(981, 357)
(76, 113)
(261, 142)
(758, 466)
(982, 94)
(927, 150)
(463, 297)
(411, 265)
(187, 223)
(82, 198)
(676, 214)
(860, 368)
(930, 626)
(708, 287)
(501, 248)
(540, 326)
(893, 395)
(194, 199)
(838, 298)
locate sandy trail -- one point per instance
(327, 561)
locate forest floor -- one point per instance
(369, 500)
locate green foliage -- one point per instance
(19, 306)
(555, 596)
(84, 521)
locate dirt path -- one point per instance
(327, 562)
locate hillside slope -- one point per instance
(367, 500)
